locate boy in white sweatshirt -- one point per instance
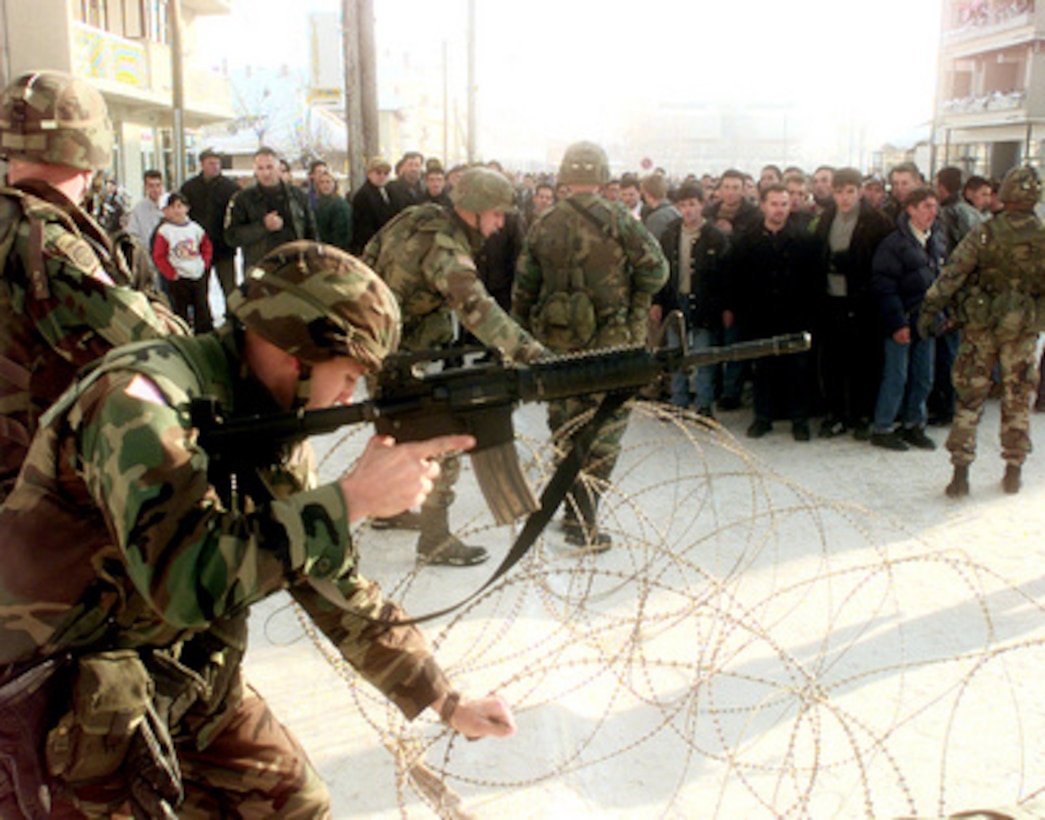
(182, 253)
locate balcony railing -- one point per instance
(996, 101)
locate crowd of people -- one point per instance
(130, 567)
(844, 255)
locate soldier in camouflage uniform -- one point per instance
(64, 293)
(426, 255)
(994, 282)
(585, 280)
(118, 549)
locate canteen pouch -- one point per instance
(565, 322)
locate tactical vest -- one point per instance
(32, 372)
(427, 320)
(1006, 293)
(585, 267)
(93, 606)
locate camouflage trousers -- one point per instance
(254, 768)
(977, 355)
(606, 447)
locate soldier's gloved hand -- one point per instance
(155, 776)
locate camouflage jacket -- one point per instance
(114, 538)
(995, 278)
(65, 300)
(426, 255)
(588, 246)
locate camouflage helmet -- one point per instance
(316, 302)
(55, 118)
(1021, 186)
(584, 163)
(483, 189)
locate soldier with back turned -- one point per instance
(994, 282)
(585, 281)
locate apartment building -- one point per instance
(990, 101)
(124, 48)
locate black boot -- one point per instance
(437, 545)
(959, 485)
(1011, 480)
(579, 522)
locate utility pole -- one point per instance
(353, 95)
(471, 81)
(177, 96)
(368, 79)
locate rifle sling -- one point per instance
(551, 497)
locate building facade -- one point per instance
(124, 48)
(990, 101)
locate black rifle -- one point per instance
(411, 404)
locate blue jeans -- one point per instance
(700, 381)
(907, 378)
(732, 372)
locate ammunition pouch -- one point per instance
(565, 322)
(110, 694)
(1013, 314)
(111, 745)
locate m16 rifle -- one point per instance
(411, 403)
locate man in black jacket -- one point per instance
(407, 188)
(904, 266)
(696, 252)
(371, 204)
(849, 231)
(772, 289)
(269, 213)
(208, 194)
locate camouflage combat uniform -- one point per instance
(64, 293)
(426, 256)
(585, 280)
(115, 539)
(993, 281)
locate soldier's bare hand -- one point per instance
(483, 717)
(390, 477)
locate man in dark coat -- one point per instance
(697, 253)
(772, 289)
(372, 204)
(208, 194)
(269, 213)
(849, 231)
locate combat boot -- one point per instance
(1011, 482)
(579, 523)
(959, 485)
(437, 545)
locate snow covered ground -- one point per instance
(781, 629)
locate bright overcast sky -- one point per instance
(556, 66)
